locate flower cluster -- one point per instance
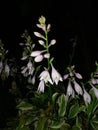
(50, 76)
(4, 67)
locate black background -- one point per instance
(69, 19)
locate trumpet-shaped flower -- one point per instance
(28, 70)
(56, 77)
(7, 70)
(41, 86)
(78, 89)
(86, 97)
(70, 90)
(45, 76)
(95, 91)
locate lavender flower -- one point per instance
(41, 86)
(56, 77)
(86, 97)
(45, 76)
(78, 89)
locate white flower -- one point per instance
(87, 97)
(47, 55)
(38, 58)
(69, 89)
(42, 26)
(79, 76)
(29, 65)
(95, 91)
(24, 69)
(31, 80)
(52, 42)
(41, 86)
(65, 76)
(78, 89)
(41, 42)
(30, 68)
(7, 70)
(39, 35)
(94, 81)
(45, 76)
(48, 27)
(56, 77)
(36, 53)
(24, 57)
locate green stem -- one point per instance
(47, 48)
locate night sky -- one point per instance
(68, 19)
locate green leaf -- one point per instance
(24, 106)
(79, 123)
(62, 105)
(75, 128)
(73, 111)
(42, 123)
(51, 60)
(65, 126)
(82, 108)
(24, 128)
(57, 124)
(94, 126)
(54, 97)
(94, 119)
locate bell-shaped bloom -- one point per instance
(56, 77)
(45, 76)
(31, 80)
(70, 90)
(77, 87)
(24, 69)
(86, 97)
(7, 70)
(95, 92)
(28, 70)
(41, 86)
(29, 65)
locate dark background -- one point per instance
(69, 20)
